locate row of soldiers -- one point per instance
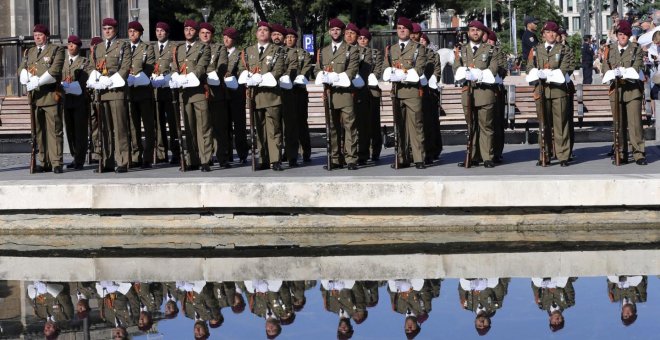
(128, 304)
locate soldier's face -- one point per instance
(276, 37)
(410, 326)
(290, 40)
(189, 33)
(350, 37)
(73, 49)
(363, 41)
(423, 42)
(402, 32)
(161, 35)
(199, 332)
(335, 33)
(627, 312)
(475, 34)
(622, 39)
(271, 328)
(482, 322)
(134, 35)
(229, 42)
(109, 32)
(118, 333)
(556, 319)
(263, 34)
(344, 327)
(144, 319)
(205, 35)
(39, 38)
(50, 329)
(550, 36)
(415, 36)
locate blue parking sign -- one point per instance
(308, 42)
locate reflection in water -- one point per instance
(119, 310)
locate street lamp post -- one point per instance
(205, 13)
(135, 13)
(390, 15)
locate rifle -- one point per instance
(99, 122)
(470, 120)
(541, 116)
(327, 108)
(617, 123)
(90, 129)
(129, 123)
(396, 111)
(249, 96)
(178, 114)
(33, 135)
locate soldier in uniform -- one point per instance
(554, 295)
(141, 97)
(271, 300)
(267, 61)
(41, 71)
(117, 299)
(529, 39)
(498, 117)
(432, 134)
(553, 55)
(165, 115)
(112, 62)
(216, 94)
(346, 299)
(148, 299)
(192, 59)
(628, 291)
(84, 292)
(199, 303)
(340, 61)
(74, 76)
(288, 111)
(483, 297)
(408, 55)
(621, 55)
(374, 136)
(362, 95)
(411, 298)
(51, 301)
(300, 76)
(481, 56)
(235, 98)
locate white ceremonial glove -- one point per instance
(257, 78)
(541, 75)
(24, 77)
(33, 83)
(131, 80)
(65, 85)
(105, 81)
(618, 73)
(470, 76)
(251, 82)
(301, 80)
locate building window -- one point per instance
(121, 15)
(42, 12)
(576, 24)
(565, 22)
(569, 5)
(561, 5)
(608, 20)
(84, 20)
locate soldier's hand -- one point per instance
(542, 75)
(105, 81)
(33, 83)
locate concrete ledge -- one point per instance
(332, 192)
(598, 263)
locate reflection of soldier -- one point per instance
(51, 301)
(412, 298)
(484, 297)
(228, 294)
(554, 295)
(148, 298)
(51, 330)
(201, 330)
(370, 293)
(84, 292)
(627, 290)
(171, 296)
(116, 307)
(199, 303)
(347, 299)
(270, 299)
(297, 289)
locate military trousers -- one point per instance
(115, 133)
(94, 131)
(142, 114)
(199, 135)
(482, 144)
(411, 130)
(499, 124)
(163, 109)
(268, 123)
(49, 135)
(343, 149)
(557, 127)
(290, 125)
(362, 106)
(375, 135)
(237, 127)
(76, 123)
(174, 116)
(631, 121)
(218, 110)
(302, 110)
(432, 135)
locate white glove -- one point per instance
(131, 80)
(252, 82)
(618, 73)
(174, 84)
(65, 85)
(469, 76)
(257, 78)
(24, 77)
(333, 77)
(325, 78)
(105, 81)
(542, 75)
(33, 83)
(300, 80)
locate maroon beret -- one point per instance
(40, 28)
(109, 22)
(364, 32)
(74, 39)
(550, 26)
(352, 27)
(264, 24)
(479, 25)
(207, 26)
(292, 32)
(230, 32)
(136, 26)
(164, 26)
(405, 22)
(426, 38)
(624, 27)
(95, 41)
(416, 28)
(278, 28)
(492, 36)
(335, 22)
(191, 23)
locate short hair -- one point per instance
(279, 329)
(206, 330)
(656, 37)
(414, 333)
(631, 320)
(176, 309)
(349, 333)
(149, 324)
